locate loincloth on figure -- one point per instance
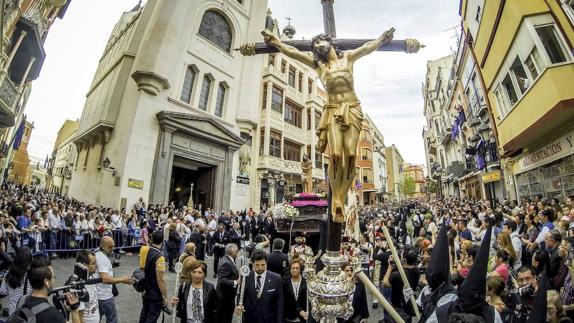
(346, 114)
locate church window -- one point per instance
(216, 29)
(187, 85)
(204, 96)
(220, 100)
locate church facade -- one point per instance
(171, 105)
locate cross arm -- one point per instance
(406, 45)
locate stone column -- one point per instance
(162, 171)
(271, 182)
(226, 187)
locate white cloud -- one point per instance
(388, 84)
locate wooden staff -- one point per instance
(178, 269)
(401, 269)
(375, 291)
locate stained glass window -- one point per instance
(216, 29)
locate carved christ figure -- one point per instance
(340, 123)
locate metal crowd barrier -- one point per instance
(65, 241)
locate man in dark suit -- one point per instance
(255, 225)
(277, 260)
(227, 282)
(268, 227)
(220, 239)
(263, 297)
(235, 235)
(198, 239)
(246, 227)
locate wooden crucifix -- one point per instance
(342, 117)
(406, 45)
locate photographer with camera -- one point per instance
(36, 305)
(105, 289)
(84, 269)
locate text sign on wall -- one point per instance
(134, 183)
(491, 177)
(551, 152)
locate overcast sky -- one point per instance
(388, 84)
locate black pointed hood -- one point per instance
(472, 292)
(438, 270)
(540, 302)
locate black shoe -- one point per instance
(375, 305)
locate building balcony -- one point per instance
(279, 165)
(9, 95)
(547, 105)
(294, 133)
(446, 136)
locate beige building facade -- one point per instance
(171, 105)
(395, 163)
(63, 158)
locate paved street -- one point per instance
(129, 301)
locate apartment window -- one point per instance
(569, 8)
(204, 96)
(262, 142)
(264, 103)
(215, 28)
(317, 119)
(318, 159)
(477, 17)
(365, 136)
(366, 154)
(283, 66)
(310, 86)
(275, 145)
(291, 77)
(291, 151)
(367, 176)
(300, 82)
(292, 113)
(271, 61)
(551, 43)
(220, 100)
(520, 75)
(187, 85)
(277, 99)
(308, 118)
(533, 63)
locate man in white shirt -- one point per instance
(105, 269)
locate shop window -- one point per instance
(277, 99)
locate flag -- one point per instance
(19, 134)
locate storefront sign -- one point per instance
(491, 177)
(243, 180)
(134, 183)
(554, 151)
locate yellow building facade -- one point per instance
(525, 54)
